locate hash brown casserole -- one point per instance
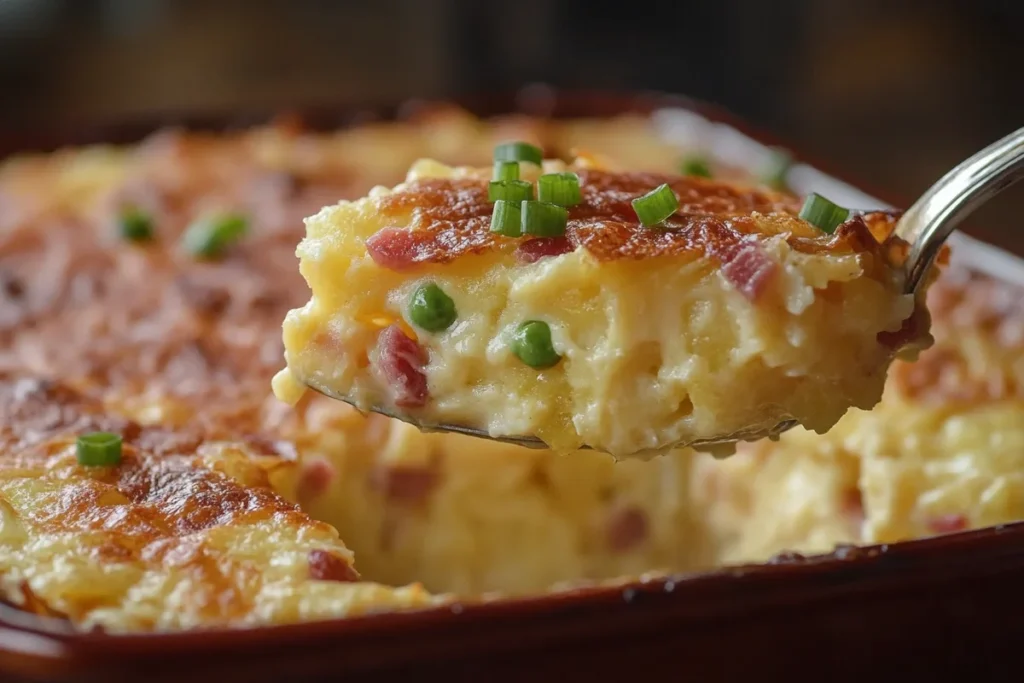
(229, 508)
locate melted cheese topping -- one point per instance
(659, 349)
(178, 535)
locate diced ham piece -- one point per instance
(748, 268)
(316, 476)
(627, 528)
(401, 361)
(326, 566)
(851, 505)
(947, 524)
(405, 483)
(533, 250)
(392, 248)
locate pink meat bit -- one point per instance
(326, 566)
(627, 527)
(748, 268)
(851, 505)
(401, 360)
(535, 249)
(946, 524)
(392, 248)
(314, 480)
(405, 483)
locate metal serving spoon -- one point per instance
(925, 226)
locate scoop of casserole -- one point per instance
(728, 316)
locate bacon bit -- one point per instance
(946, 524)
(626, 528)
(405, 483)
(393, 248)
(534, 250)
(851, 505)
(749, 269)
(204, 295)
(316, 476)
(401, 361)
(326, 566)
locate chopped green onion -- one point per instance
(543, 219)
(210, 237)
(506, 219)
(506, 170)
(822, 213)
(774, 174)
(696, 166)
(432, 309)
(531, 344)
(98, 449)
(559, 188)
(509, 190)
(519, 151)
(655, 206)
(135, 226)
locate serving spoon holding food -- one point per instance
(925, 226)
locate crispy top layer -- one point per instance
(176, 506)
(164, 489)
(134, 324)
(450, 217)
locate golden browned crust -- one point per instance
(451, 218)
(142, 323)
(167, 493)
(151, 509)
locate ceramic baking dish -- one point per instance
(944, 607)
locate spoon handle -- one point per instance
(927, 224)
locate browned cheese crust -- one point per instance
(451, 218)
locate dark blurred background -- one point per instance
(894, 92)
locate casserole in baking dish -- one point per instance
(227, 509)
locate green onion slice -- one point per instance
(506, 219)
(98, 449)
(775, 172)
(509, 190)
(432, 309)
(655, 206)
(696, 166)
(210, 237)
(543, 219)
(135, 226)
(562, 189)
(506, 170)
(822, 213)
(519, 151)
(531, 343)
